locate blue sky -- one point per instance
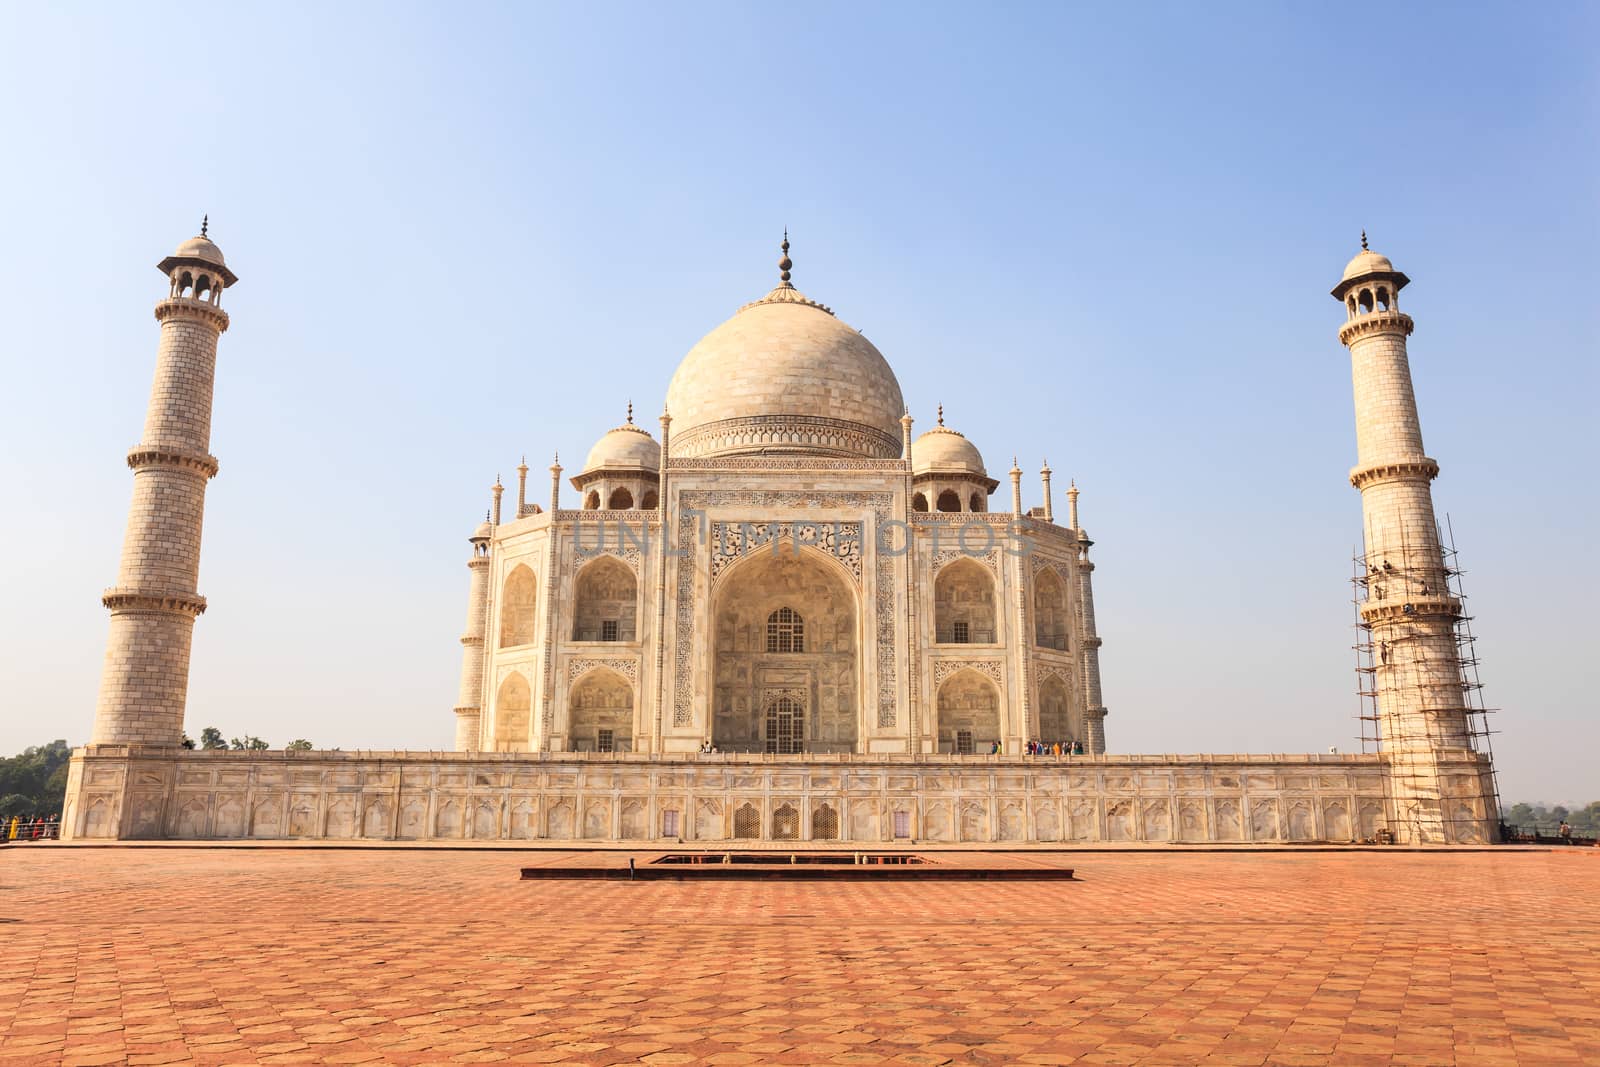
(1103, 235)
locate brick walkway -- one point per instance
(163, 955)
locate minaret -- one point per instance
(1049, 505)
(1016, 488)
(496, 491)
(469, 702)
(1412, 616)
(1072, 505)
(522, 487)
(1089, 643)
(145, 681)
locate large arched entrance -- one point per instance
(786, 654)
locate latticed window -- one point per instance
(786, 631)
(608, 630)
(786, 824)
(960, 633)
(606, 741)
(964, 742)
(825, 824)
(669, 823)
(902, 824)
(747, 822)
(785, 726)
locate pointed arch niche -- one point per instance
(511, 720)
(969, 713)
(600, 713)
(1049, 610)
(607, 602)
(963, 604)
(786, 635)
(518, 599)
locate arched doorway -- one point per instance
(511, 714)
(1055, 712)
(600, 713)
(969, 714)
(1050, 610)
(607, 606)
(785, 655)
(963, 604)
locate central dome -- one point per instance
(785, 375)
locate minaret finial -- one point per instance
(941, 414)
(205, 221)
(785, 264)
(1364, 240)
(630, 413)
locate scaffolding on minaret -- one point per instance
(1413, 755)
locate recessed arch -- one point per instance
(919, 502)
(1365, 300)
(949, 500)
(621, 499)
(511, 707)
(518, 599)
(1383, 298)
(591, 502)
(1055, 711)
(1050, 610)
(605, 602)
(600, 712)
(963, 604)
(975, 503)
(812, 598)
(649, 502)
(969, 713)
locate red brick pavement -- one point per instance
(179, 955)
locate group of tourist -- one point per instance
(1055, 748)
(33, 828)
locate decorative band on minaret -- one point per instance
(1412, 615)
(145, 682)
(1089, 644)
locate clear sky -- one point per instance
(1102, 234)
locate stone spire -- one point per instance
(1049, 504)
(522, 487)
(555, 486)
(145, 682)
(497, 491)
(1016, 488)
(1421, 699)
(1072, 504)
(905, 437)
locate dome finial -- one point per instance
(941, 414)
(630, 413)
(785, 264)
(1364, 241)
(205, 222)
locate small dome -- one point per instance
(1367, 263)
(201, 248)
(625, 448)
(943, 450)
(482, 533)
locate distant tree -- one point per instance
(211, 737)
(299, 744)
(249, 743)
(34, 782)
(188, 742)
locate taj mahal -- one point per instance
(781, 615)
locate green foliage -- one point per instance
(211, 738)
(35, 781)
(1546, 820)
(299, 744)
(248, 743)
